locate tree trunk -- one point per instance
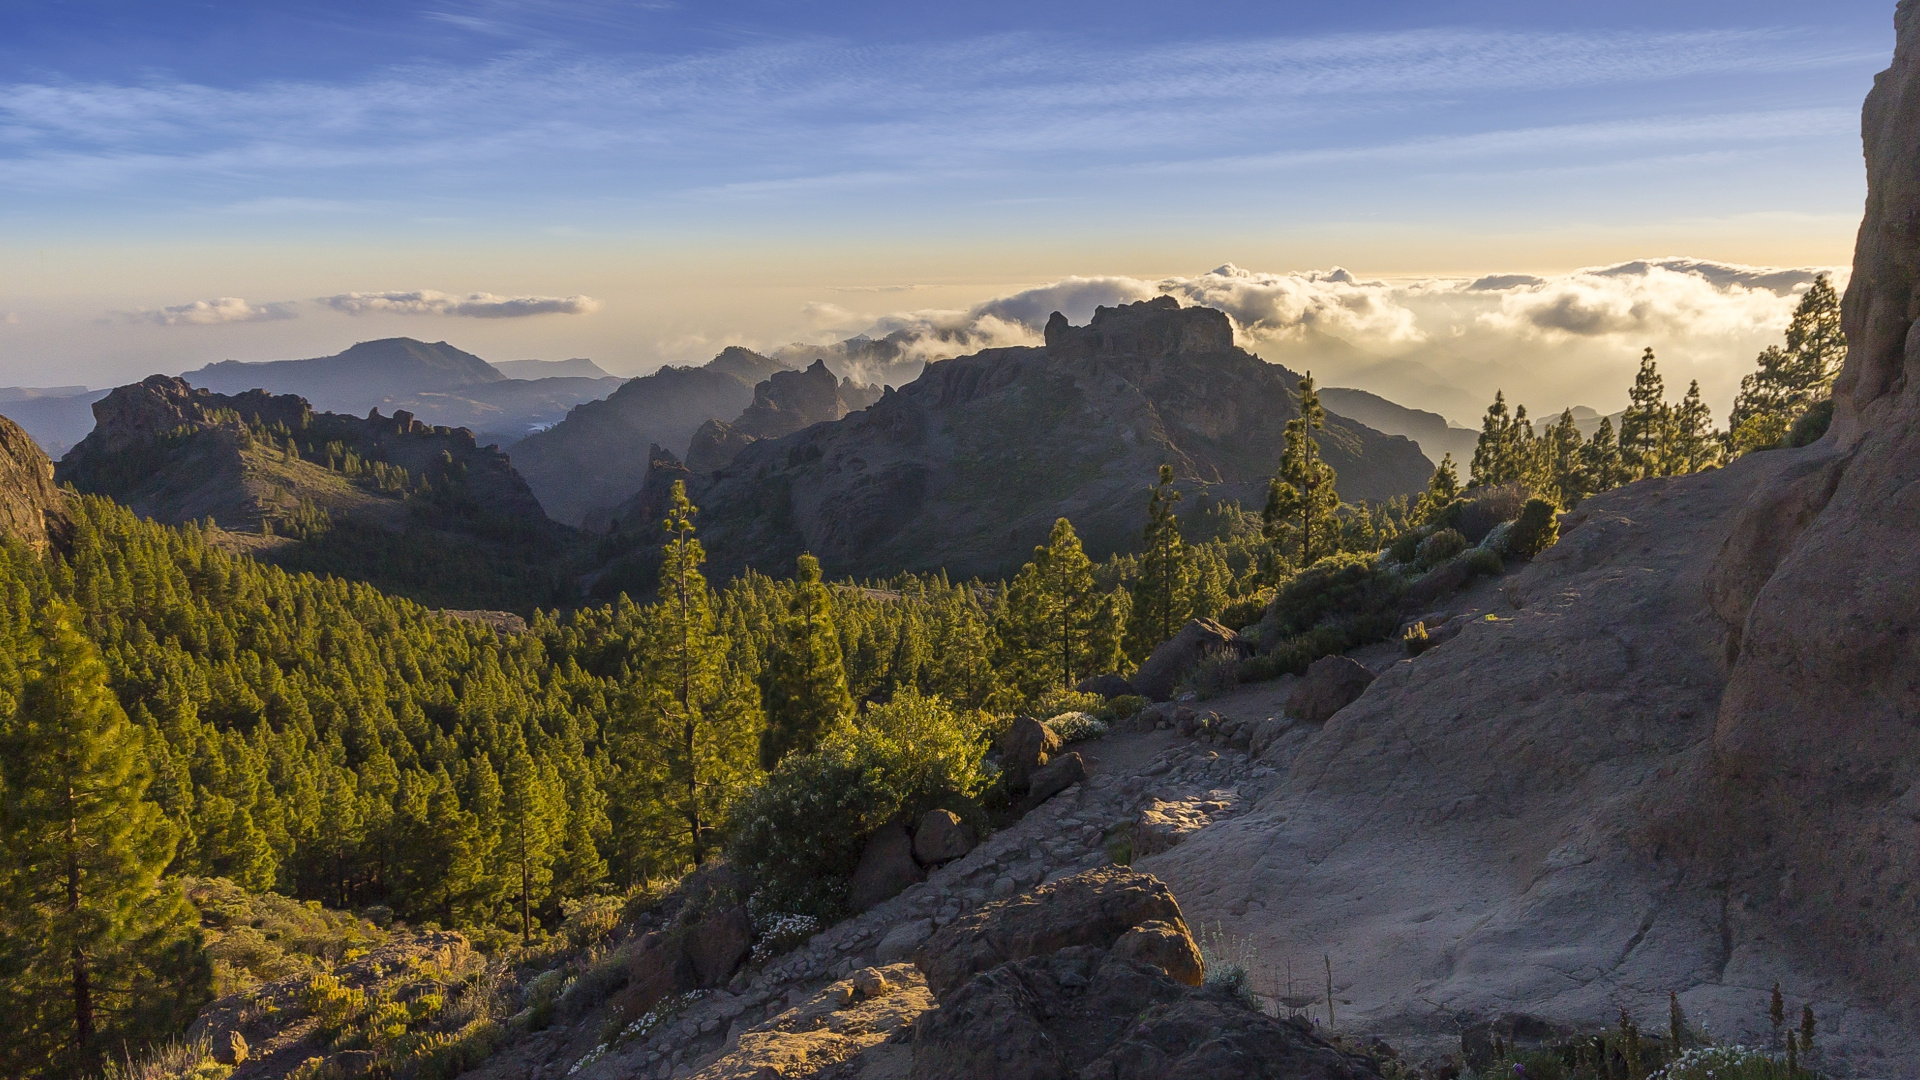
(82, 983)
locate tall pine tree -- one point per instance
(689, 742)
(806, 688)
(1301, 500)
(1691, 445)
(1789, 381)
(99, 951)
(1643, 426)
(1163, 592)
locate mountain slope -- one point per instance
(967, 467)
(32, 510)
(417, 509)
(577, 368)
(356, 379)
(597, 457)
(57, 420)
(1432, 431)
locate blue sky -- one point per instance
(706, 172)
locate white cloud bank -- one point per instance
(473, 305)
(1442, 344)
(225, 309)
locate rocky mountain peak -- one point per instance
(1158, 327)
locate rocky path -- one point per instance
(1151, 790)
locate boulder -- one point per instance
(1171, 659)
(660, 968)
(899, 942)
(1107, 686)
(1209, 1034)
(1167, 946)
(1024, 747)
(1087, 1012)
(886, 868)
(718, 944)
(1090, 908)
(941, 837)
(1055, 777)
(1331, 684)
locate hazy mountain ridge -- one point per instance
(596, 456)
(968, 466)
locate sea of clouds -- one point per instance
(1441, 344)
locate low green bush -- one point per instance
(800, 835)
(1337, 587)
(1406, 547)
(1482, 509)
(1438, 548)
(1536, 530)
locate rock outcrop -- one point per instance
(1331, 683)
(969, 466)
(1816, 753)
(1096, 975)
(788, 401)
(32, 510)
(1172, 658)
(592, 460)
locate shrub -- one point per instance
(800, 835)
(1337, 587)
(1725, 1063)
(1229, 961)
(1075, 726)
(1438, 548)
(1123, 707)
(1811, 425)
(1416, 639)
(333, 1004)
(1244, 611)
(1476, 515)
(1057, 701)
(1536, 530)
(1215, 673)
(176, 1059)
(1405, 546)
(1484, 562)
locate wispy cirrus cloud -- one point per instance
(225, 309)
(472, 305)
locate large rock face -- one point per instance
(969, 466)
(1503, 824)
(415, 508)
(786, 402)
(31, 508)
(596, 457)
(1817, 749)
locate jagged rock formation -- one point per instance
(1816, 753)
(266, 467)
(788, 401)
(591, 459)
(32, 510)
(968, 467)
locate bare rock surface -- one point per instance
(1481, 832)
(1330, 684)
(32, 510)
(1816, 756)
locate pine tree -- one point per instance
(1600, 460)
(1163, 593)
(1301, 498)
(1068, 575)
(1491, 451)
(1791, 380)
(95, 940)
(695, 719)
(1565, 469)
(1644, 424)
(806, 689)
(1692, 446)
(532, 820)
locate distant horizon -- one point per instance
(643, 185)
